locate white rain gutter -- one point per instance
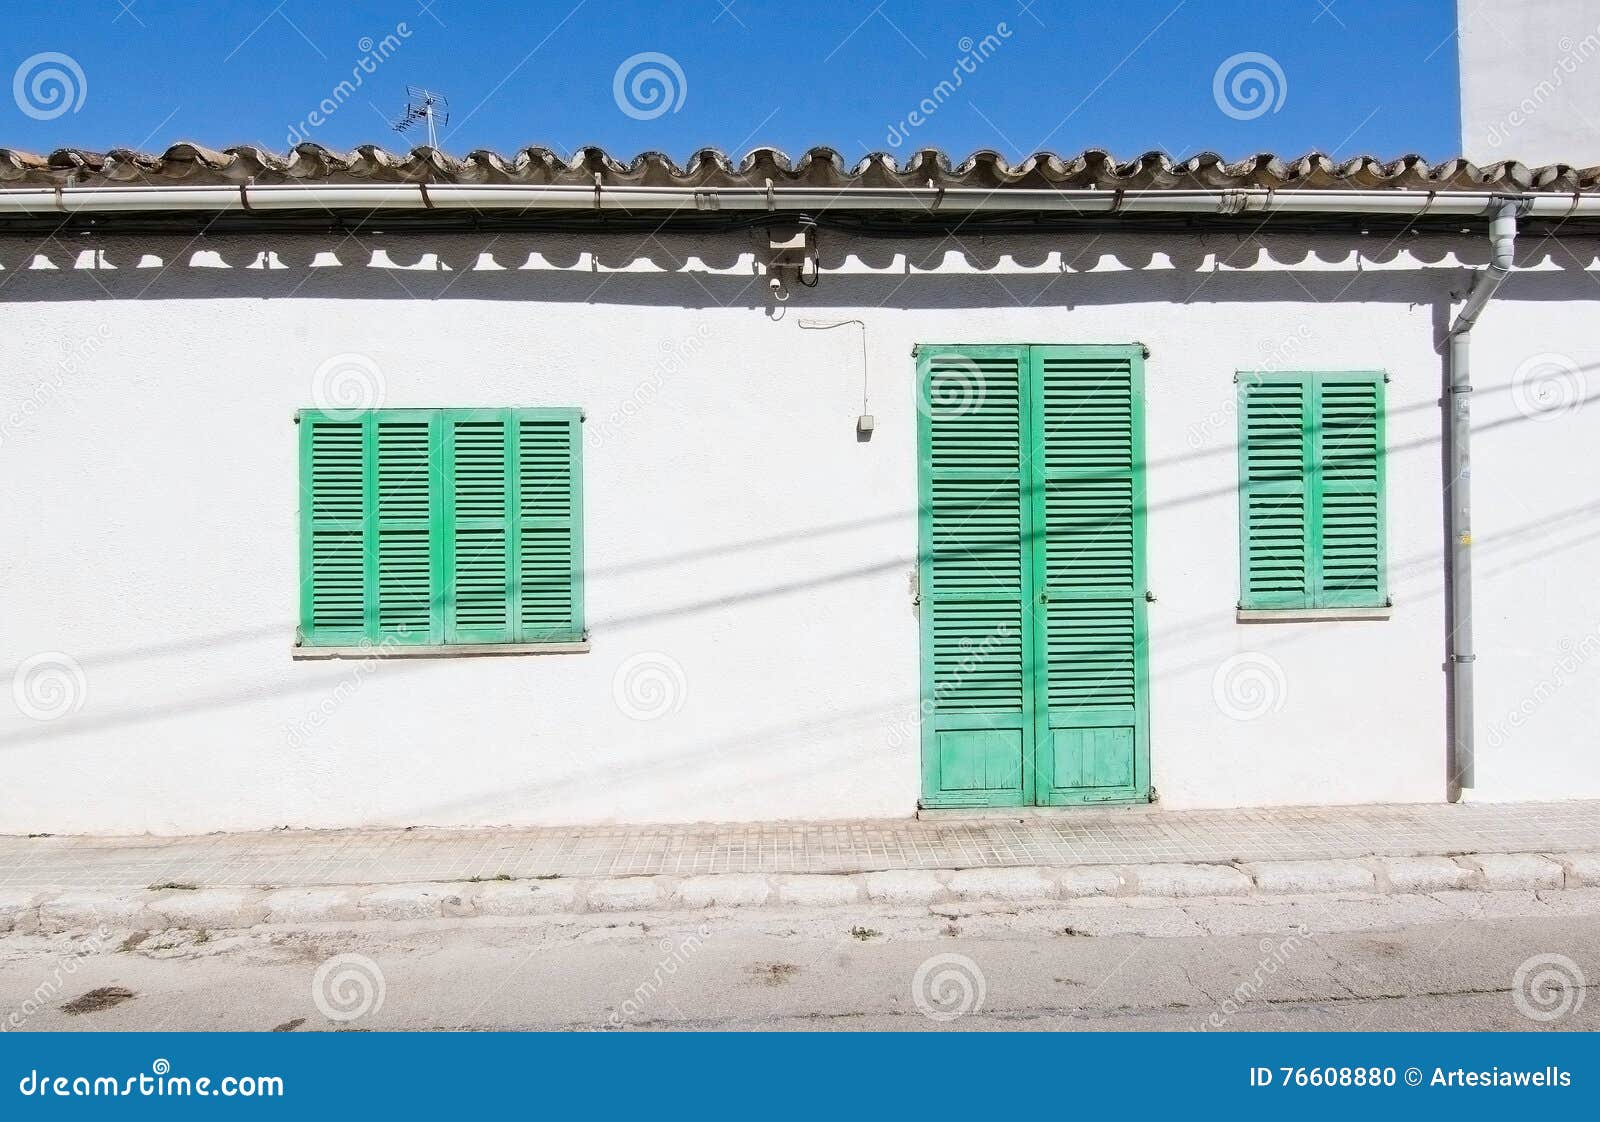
(1458, 494)
(246, 198)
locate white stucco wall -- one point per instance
(745, 553)
(1530, 81)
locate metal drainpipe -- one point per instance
(1502, 241)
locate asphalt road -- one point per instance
(1446, 962)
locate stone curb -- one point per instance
(47, 910)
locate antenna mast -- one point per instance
(425, 107)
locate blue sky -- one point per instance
(1346, 76)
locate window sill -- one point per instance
(1310, 615)
(450, 650)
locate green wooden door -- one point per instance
(977, 628)
(1031, 567)
(1089, 579)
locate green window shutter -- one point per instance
(428, 526)
(478, 495)
(1348, 489)
(548, 588)
(1311, 530)
(1276, 546)
(333, 528)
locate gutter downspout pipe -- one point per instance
(1458, 493)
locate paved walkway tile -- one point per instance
(1137, 835)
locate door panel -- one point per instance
(1032, 575)
(977, 631)
(1089, 573)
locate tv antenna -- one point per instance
(425, 106)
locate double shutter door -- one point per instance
(1031, 575)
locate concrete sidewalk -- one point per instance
(1122, 836)
(233, 881)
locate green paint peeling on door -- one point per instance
(1032, 575)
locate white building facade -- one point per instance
(750, 629)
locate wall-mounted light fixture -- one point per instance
(791, 252)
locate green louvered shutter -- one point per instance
(1089, 501)
(977, 636)
(430, 526)
(1348, 489)
(1311, 518)
(548, 593)
(1277, 555)
(333, 528)
(478, 494)
(407, 534)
